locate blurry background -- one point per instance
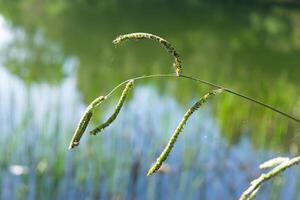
(57, 56)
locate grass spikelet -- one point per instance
(122, 99)
(84, 121)
(163, 156)
(167, 45)
(273, 162)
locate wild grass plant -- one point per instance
(250, 193)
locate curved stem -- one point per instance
(212, 85)
(140, 77)
(244, 97)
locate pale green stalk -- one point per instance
(250, 193)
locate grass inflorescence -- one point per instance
(163, 156)
(167, 45)
(85, 119)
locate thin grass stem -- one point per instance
(250, 99)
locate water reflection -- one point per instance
(37, 123)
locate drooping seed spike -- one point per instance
(122, 99)
(167, 45)
(84, 121)
(163, 156)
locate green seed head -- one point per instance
(167, 45)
